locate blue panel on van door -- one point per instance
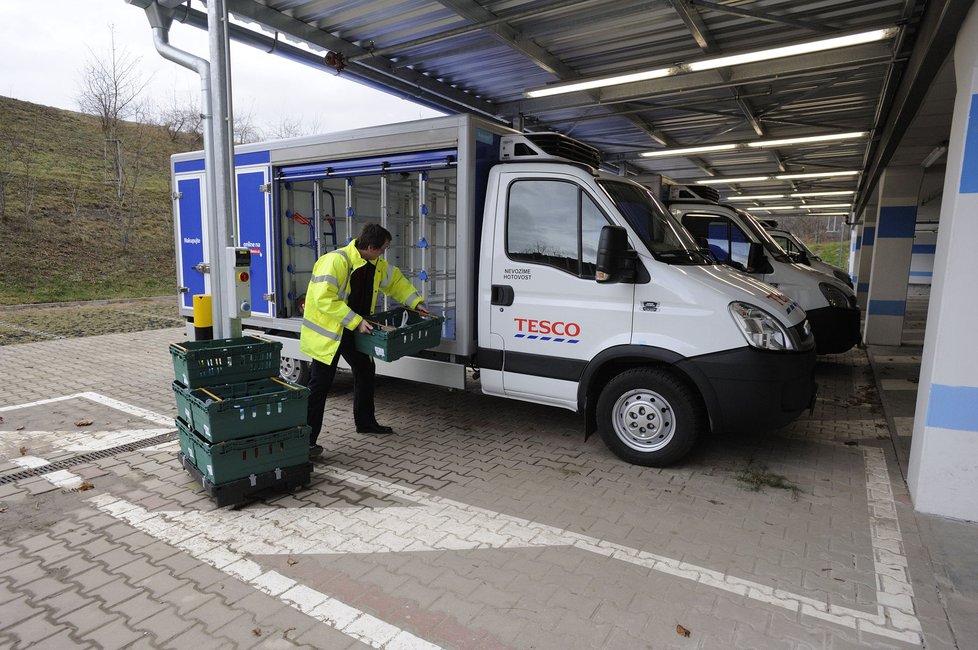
(191, 239)
(252, 229)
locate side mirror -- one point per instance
(757, 261)
(615, 262)
(802, 258)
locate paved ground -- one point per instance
(483, 524)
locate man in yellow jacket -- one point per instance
(342, 292)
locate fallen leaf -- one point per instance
(84, 423)
(23, 451)
(256, 631)
(292, 562)
(20, 428)
(681, 631)
(85, 486)
(850, 443)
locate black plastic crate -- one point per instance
(281, 479)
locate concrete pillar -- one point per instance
(890, 271)
(867, 237)
(943, 474)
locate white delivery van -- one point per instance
(560, 285)
(802, 254)
(735, 238)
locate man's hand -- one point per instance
(364, 327)
(422, 308)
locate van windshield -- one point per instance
(751, 223)
(663, 236)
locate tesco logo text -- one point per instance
(558, 328)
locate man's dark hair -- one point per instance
(373, 235)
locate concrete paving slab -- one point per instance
(482, 523)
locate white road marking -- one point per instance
(29, 462)
(138, 411)
(429, 522)
(436, 523)
(85, 440)
(201, 545)
(63, 479)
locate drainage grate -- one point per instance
(65, 463)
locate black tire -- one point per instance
(649, 417)
(294, 370)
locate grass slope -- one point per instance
(70, 244)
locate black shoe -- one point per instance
(375, 428)
(315, 451)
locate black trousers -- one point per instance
(364, 374)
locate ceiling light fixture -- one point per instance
(560, 89)
(688, 150)
(934, 155)
(819, 206)
(755, 144)
(807, 139)
(719, 62)
(794, 50)
(756, 197)
(789, 177)
(731, 181)
(799, 195)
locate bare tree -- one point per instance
(6, 176)
(110, 89)
(290, 127)
(182, 118)
(111, 86)
(245, 130)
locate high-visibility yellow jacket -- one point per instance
(326, 311)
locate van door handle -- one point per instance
(502, 294)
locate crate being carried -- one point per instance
(231, 411)
(225, 361)
(395, 336)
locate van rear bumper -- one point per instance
(836, 329)
(754, 389)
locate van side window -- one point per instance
(553, 223)
(727, 242)
(788, 245)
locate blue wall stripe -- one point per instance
(887, 307)
(926, 274)
(924, 249)
(897, 221)
(953, 407)
(862, 287)
(969, 166)
(869, 234)
(859, 242)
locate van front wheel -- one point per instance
(648, 417)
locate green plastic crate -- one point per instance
(392, 340)
(232, 411)
(225, 361)
(237, 459)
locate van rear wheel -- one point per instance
(649, 417)
(295, 371)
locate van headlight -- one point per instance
(835, 296)
(761, 329)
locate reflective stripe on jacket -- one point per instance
(327, 314)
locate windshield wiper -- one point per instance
(690, 254)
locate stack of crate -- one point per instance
(242, 429)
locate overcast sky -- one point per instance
(44, 45)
